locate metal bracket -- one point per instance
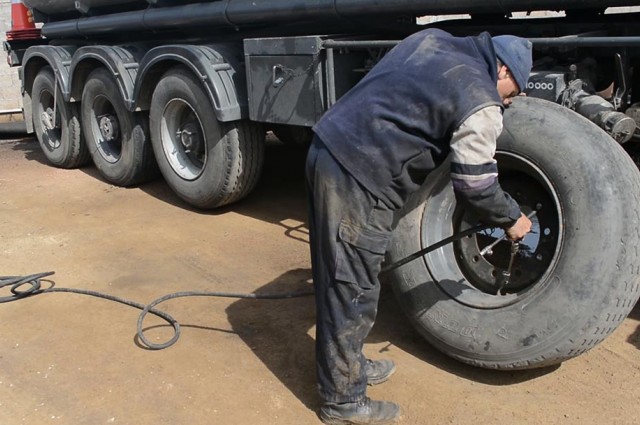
(621, 83)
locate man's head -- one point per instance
(514, 54)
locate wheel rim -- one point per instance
(183, 140)
(105, 129)
(51, 127)
(473, 279)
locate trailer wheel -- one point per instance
(56, 123)
(117, 139)
(576, 276)
(206, 162)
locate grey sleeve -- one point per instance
(474, 171)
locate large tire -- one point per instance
(207, 163)
(577, 277)
(60, 137)
(117, 138)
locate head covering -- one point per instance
(515, 53)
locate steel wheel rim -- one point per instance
(183, 139)
(463, 274)
(110, 148)
(51, 135)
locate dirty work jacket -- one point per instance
(395, 126)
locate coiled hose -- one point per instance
(34, 283)
(34, 287)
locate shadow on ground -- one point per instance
(28, 146)
(634, 338)
(280, 334)
(278, 198)
(277, 331)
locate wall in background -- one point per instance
(9, 82)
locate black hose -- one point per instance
(34, 283)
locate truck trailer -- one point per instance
(188, 90)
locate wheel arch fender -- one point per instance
(37, 57)
(219, 67)
(121, 61)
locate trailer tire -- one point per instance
(206, 162)
(61, 144)
(575, 281)
(116, 138)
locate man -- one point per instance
(431, 96)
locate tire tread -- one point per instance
(74, 150)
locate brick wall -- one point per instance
(9, 83)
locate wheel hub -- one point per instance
(109, 129)
(47, 119)
(190, 138)
(184, 140)
(536, 249)
(461, 272)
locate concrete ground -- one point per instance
(71, 359)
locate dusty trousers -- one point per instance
(350, 231)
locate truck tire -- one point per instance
(207, 163)
(575, 278)
(116, 138)
(60, 137)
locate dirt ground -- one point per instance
(71, 359)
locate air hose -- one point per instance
(34, 287)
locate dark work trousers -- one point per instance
(350, 231)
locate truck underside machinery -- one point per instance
(188, 89)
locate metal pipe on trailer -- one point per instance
(233, 14)
(586, 41)
(569, 41)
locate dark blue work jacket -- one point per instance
(394, 127)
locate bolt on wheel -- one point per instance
(535, 251)
(105, 129)
(117, 137)
(478, 272)
(50, 120)
(56, 123)
(183, 139)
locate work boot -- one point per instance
(363, 412)
(379, 371)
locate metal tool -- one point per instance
(502, 280)
(446, 241)
(435, 246)
(488, 250)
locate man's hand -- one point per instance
(518, 230)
